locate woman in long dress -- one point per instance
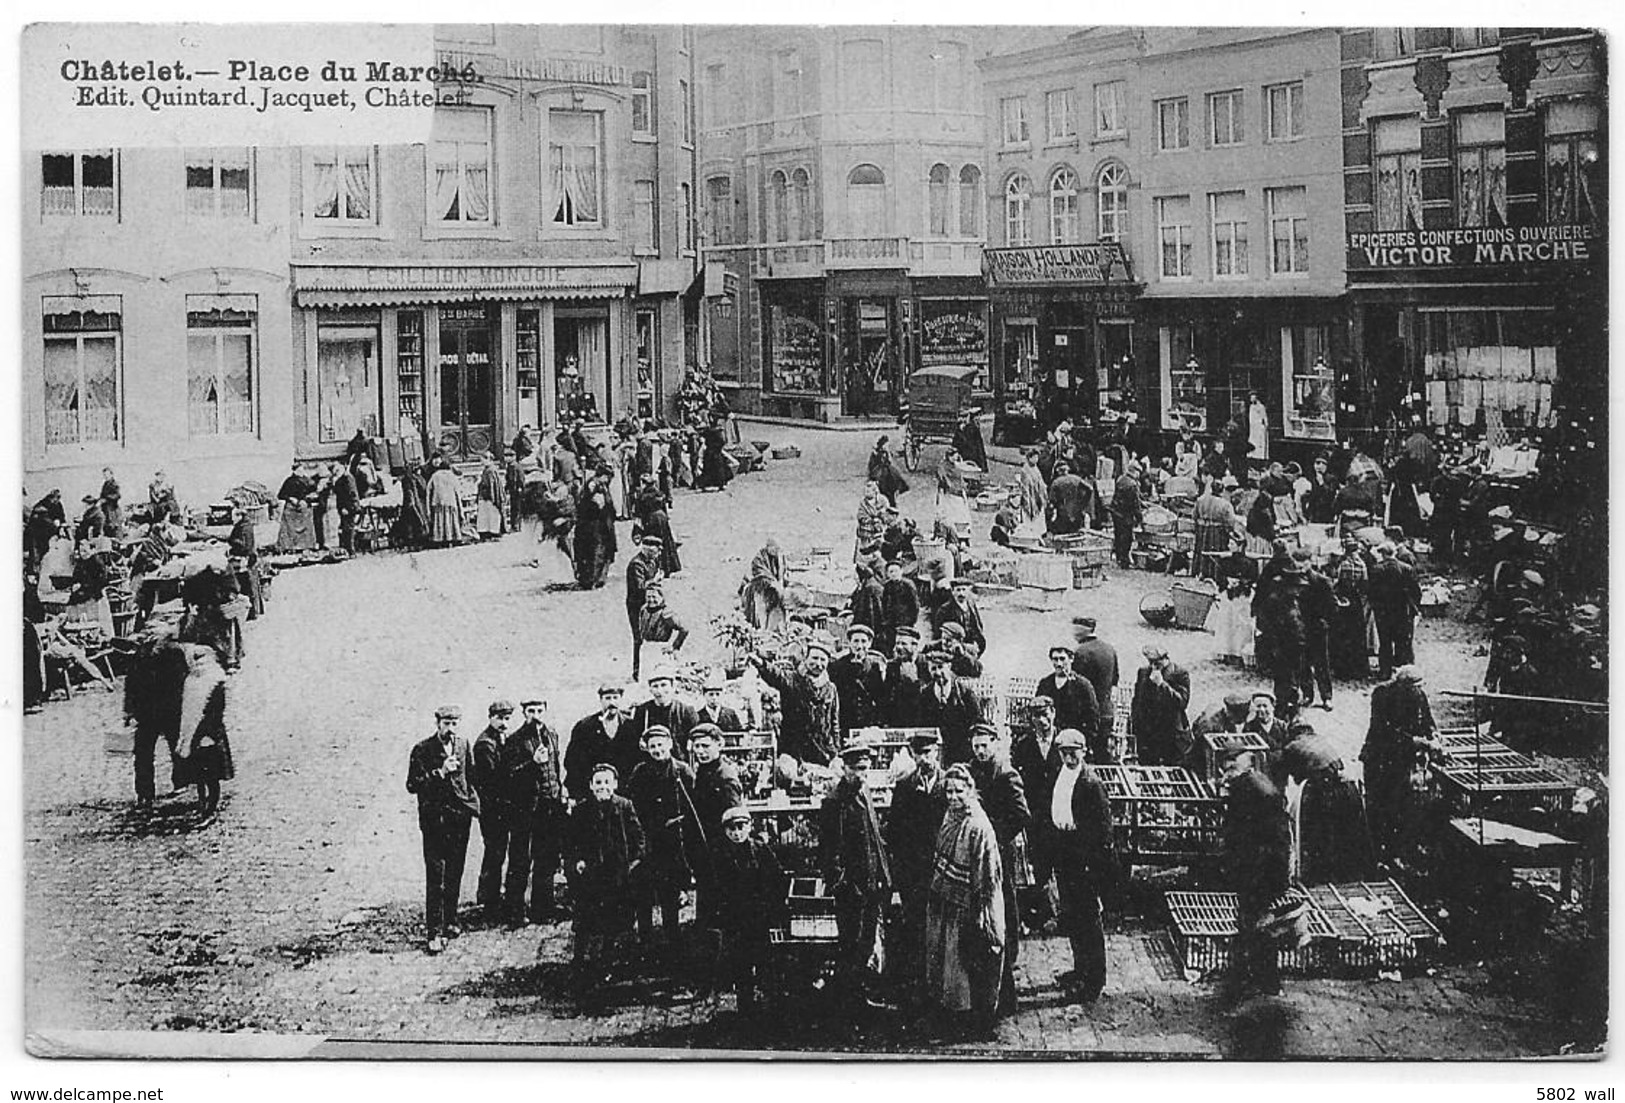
(762, 594)
(713, 463)
(594, 533)
(412, 525)
(298, 526)
(964, 909)
(883, 471)
(492, 508)
(203, 751)
(445, 505)
(1034, 490)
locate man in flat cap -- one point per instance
(1095, 661)
(809, 702)
(437, 772)
(1226, 717)
(1257, 847)
(1074, 697)
(717, 788)
(1078, 821)
(963, 657)
(1004, 799)
(592, 740)
(750, 901)
(531, 773)
(859, 679)
(905, 681)
(899, 605)
(1402, 731)
(961, 609)
(603, 853)
(1162, 691)
(663, 709)
(498, 816)
(1036, 758)
(855, 865)
(662, 791)
(919, 803)
(947, 704)
(712, 710)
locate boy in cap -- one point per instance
(437, 773)
(712, 710)
(859, 680)
(663, 709)
(604, 851)
(662, 791)
(717, 788)
(750, 892)
(592, 740)
(498, 816)
(899, 605)
(530, 767)
(855, 866)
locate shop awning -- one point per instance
(330, 285)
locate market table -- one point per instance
(1501, 848)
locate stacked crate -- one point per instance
(1204, 924)
(1374, 924)
(1167, 817)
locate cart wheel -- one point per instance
(911, 451)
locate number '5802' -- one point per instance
(1562, 1095)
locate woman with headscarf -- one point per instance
(412, 524)
(964, 910)
(871, 521)
(445, 505)
(762, 594)
(1328, 812)
(203, 751)
(653, 520)
(883, 471)
(491, 510)
(367, 480)
(594, 533)
(968, 441)
(1034, 490)
(713, 472)
(298, 526)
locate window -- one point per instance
(217, 183)
(78, 184)
(970, 201)
(643, 105)
(685, 97)
(1174, 235)
(645, 217)
(1058, 114)
(1013, 110)
(778, 204)
(866, 201)
(1481, 169)
(863, 71)
(939, 202)
(1063, 207)
(1228, 211)
(460, 172)
(220, 364)
(1473, 38)
(949, 67)
(574, 146)
(1472, 362)
(1285, 110)
(801, 226)
(1224, 118)
(787, 84)
(688, 217)
(1395, 42)
(83, 349)
(719, 210)
(343, 183)
(1309, 386)
(1289, 230)
(1573, 172)
(1017, 210)
(1173, 124)
(1111, 108)
(1184, 384)
(1113, 200)
(1398, 145)
(712, 112)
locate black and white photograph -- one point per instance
(869, 541)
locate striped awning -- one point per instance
(410, 284)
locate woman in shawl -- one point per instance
(412, 525)
(883, 471)
(203, 752)
(964, 909)
(594, 533)
(871, 520)
(298, 527)
(445, 505)
(968, 441)
(367, 481)
(713, 463)
(492, 508)
(762, 595)
(652, 519)
(1034, 490)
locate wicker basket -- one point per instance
(1157, 611)
(1192, 602)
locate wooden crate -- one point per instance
(1204, 925)
(1469, 785)
(1045, 572)
(753, 754)
(1216, 745)
(1166, 817)
(1388, 932)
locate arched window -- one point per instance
(1113, 207)
(866, 201)
(1018, 210)
(1063, 207)
(801, 218)
(778, 189)
(970, 201)
(939, 205)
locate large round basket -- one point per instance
(1157, 610)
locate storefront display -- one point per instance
(796, 350)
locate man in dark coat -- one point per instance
(592, 740)
(604, 851)
(1077, 819)
(1402, 730)
(530, 767)
(1071, 502)
(810, 705)
(663, 709)
(964, 658)
(750, 902)
(1162, 691)
(716, 789)
(1318, 603)
(46, 520)
(595, 544)
(905, 681)
(947, 704)
(1095, 661)
(1075, 703)
(859, 680)
(999, 788)
(900, 607)
(662, 790)
(1395, 597)
(437, 772)
(919, 802)
(1334, 842)
(1127, 511)
(347, 500)
(1279, 609)
(1258, 853)
(961, 609)
(498, 817)
(642, 570)
(712, 711)
(868, 599)
(855, 866)
(1262, 721)
(1035, 757)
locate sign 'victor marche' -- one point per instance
(1473, 247)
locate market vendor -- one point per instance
(1402, 729)
(750, 901)
(1263, 722)
(811, 704)
(1257, 849)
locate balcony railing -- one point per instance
(866, 252)
(945, 256)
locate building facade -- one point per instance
(842, 211)
(156, 330)
(1476, 205)
(532, 258)
(1166, 228)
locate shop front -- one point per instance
(458, 358)
(1064, 342)
(946, 323)
(796, 380)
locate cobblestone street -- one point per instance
(299, 910)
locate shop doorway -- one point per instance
(1072, 372)
(869, 383)
(1114, 371)
(467, 385)
(581, 364)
